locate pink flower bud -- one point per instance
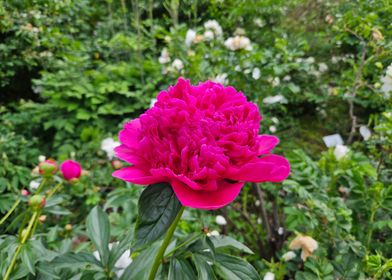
(47, 167)
(24, 192)
(117, 164)
(71, 170)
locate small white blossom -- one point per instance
(165, 57)
(310, 60)
(275, 120)
(287, 78)
(221, 79)
(365, 132)
(333, 140)
(178, 64)
(259, 22)
(323, 67)
(34, 185)
(190, 37)
(122, 263)
(220, 220)
(386, 87)
(256, 73)
(237, 68)
(238, 43)
(214, 26)
(41, 158)
(215, 233)
(272, 128)
(259, 221)
(275, 82)
(280, 231)
(108, 145)
(208, 35)
(288, 256)
(269, 276)
(340, 151)
(275, 99)
(257, 203)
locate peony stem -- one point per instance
(10, 211)
(165, 243)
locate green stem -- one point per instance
(41, 186)
(10, 211)
(183, 244)
(55, 189)
(24, 239)
(165, 243)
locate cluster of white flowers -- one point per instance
(386, 87)
(190, 37)
(275, 99)
(108, 145)
(213, 28)
(238, 43)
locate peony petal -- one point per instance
(270, 168)
(207, 200)
(137, 176)
(129, 135)
(267, 143)
(130, 155)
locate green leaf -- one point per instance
(203, 267)
(180, 269)
(233, 268)
(117, 250)
(28, 258)
(158, 207)
(226, 241)
(98, 229)
(75, 260)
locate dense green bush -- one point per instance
(71, 73)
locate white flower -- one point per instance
(288, 256)
(333, 140)
(365, 132)
(220, 220)
(259, 221)
(108, 145)
(280, 231)
(190, 37)
(221, 79)
(177, 64)
(214, 233)
(259, 22)
(257, 203)
(275, 120)
(41, 158)
(237, 68)
(275, 99)
(269, 276)
(214, 26)
(34, 185)
(256, 73)
(335, 59)
(323, 67)
(208, 35)
(238, 43)
(310, 60)
(340, 151)
(239, 31)
(165, 57)
(122, 263)
(152, 102)
(272, 128)
(286, 78)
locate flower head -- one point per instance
(71, 170)
(204, 141)
(47, 167)
(238, 43)
(108, 145)
(214, 26)
(306, 243)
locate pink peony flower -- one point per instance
(204, 141)
(70, 170)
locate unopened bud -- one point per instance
(37, 202)
(117, 164)
(48, 167)
(377, 35)
(42, 219)
(68, 227)
(24, 192)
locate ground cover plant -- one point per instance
(139, 139)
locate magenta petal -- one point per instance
(137, 176)
(270, 168)
(129, 135)
(207, 200)
(129, 155)
(267, 143)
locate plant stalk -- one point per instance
(10, 211)
(165, 243)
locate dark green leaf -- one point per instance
(226, 241)
(233, 268)
(28, 258)
(75, 260)
(98, 229)
(203, 267)
(158, 207)
(180, 269)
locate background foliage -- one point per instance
(71, 73)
